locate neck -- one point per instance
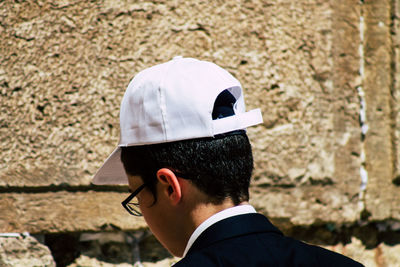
(204, 211)
(194, 210)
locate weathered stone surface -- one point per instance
(395, 31)
(94, 211)
(382, 196)
(24, 251)
(121, 249)
(65, 212)
(85, 261)
(396, 87)
(314, 145)
(305, 206)
(346, 107)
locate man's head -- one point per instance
(183, 145)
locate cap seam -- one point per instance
(163, 105)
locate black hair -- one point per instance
(220, 166)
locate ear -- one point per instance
(171, 185)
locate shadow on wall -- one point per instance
(371, 244)
(141, 246)
(74, 249)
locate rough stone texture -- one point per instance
(302, 101)
(395, 30)
(396, 87)
(304, 206)
(315, 147)
(61, 84)
(24, 251)
(382, 195)
(65, 212)
(84, 260)
(114, 249)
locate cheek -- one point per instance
(155, 216)
(155, 223)
(160, 230)
(146, 200)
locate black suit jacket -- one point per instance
(251, 240)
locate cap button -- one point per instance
(177, 57)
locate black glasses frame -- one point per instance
(133, 208)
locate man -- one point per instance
(185, 154)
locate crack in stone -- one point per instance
(362, 116)
(394, 24)
(63, 187)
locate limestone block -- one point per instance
(85, 261)
(304, 206)
(310, 146)
(104, 249)
(395, 102)
(382, 198)
(24, 250)
(396, 86)
(65, 212)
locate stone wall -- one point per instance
(325, 74)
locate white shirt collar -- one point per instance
(237, 210)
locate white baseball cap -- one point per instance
(174, 101)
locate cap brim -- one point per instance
(237, 122)
(112, 171)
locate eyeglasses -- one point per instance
(133, 207)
